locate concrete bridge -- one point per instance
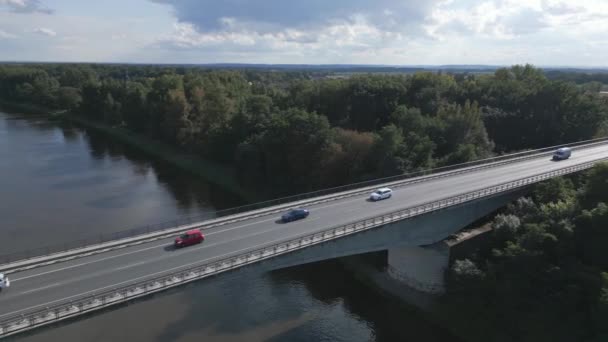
(50, 288)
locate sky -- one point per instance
(388, 32)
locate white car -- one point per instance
(381, 194)
(4, 282)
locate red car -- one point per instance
(191, 237)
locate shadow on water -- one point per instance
(389, 320)
(314, 302)
(188, 190)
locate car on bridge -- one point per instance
(189, 238)
(380, 194)
(295, 214)
(562, 153)
(4, 282)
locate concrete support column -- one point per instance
(421, 268)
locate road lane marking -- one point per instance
(128, 266)
(157, 246)
(85, 263)
(40, 288)
(146, 276)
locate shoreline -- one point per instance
(221, 175)
(426, 305)
(218, 174)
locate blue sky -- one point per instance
(399, 32)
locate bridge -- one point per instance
(58, 285)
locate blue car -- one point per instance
(295, 214)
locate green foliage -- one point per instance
(377, 124)
(545, 278)
(525, 209)
(505, 227)
(592, 235)
(554, 190)
(523, 109)
(596, 189)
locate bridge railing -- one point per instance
(407, 178)
(80, 305)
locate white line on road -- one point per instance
(86, 263)
(129, 266)
(164, 244)
(142, 277)
(40, 288)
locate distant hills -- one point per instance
(349, 68)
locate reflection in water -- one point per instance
(188, 190)
(61, 182)
(318, 302)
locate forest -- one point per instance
(295, 131)
(544, 274)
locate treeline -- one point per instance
(580, 77)
(291, 132)
(545, 275)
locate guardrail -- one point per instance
(400, 180)
(63, 310)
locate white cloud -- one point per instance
(45, 31)
(25, 6)
(6, 35)
(542, 32)
(271, 15)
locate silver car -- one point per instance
(381, 194)
(4, 282)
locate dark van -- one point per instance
(562, 153)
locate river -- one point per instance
(60, 183)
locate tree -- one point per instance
(68, 98)
(258, 105)
(600, 313)
(525, 209)
(289, 151)
(505, 227)
(596, 189)
(135, 108)
(352, 156)
(388, 151)
(461, 132)
(536, 238)
(465, 276)
(592, 235)
(111, 111)
(554, 190)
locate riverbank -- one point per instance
(27, 108)
(218, 174)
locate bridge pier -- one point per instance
(421, 268)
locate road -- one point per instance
(44, 286)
